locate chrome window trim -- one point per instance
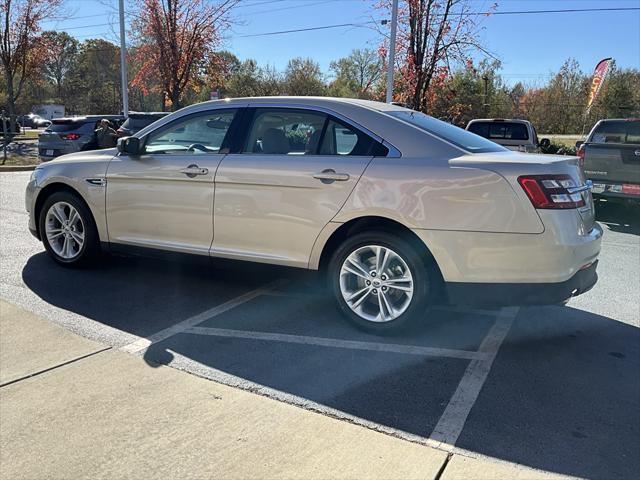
(393, 151)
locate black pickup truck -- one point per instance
(611, 159)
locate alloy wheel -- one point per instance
(376, 283)
(65, 230)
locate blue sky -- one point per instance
(530, 46)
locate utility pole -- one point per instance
(123, 64)
(392, 50)
(486, 96)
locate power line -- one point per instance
(309, 29)
(565, 10)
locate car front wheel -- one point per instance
(380, 281)
(67, 230)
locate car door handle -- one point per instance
(330, 175)
(193, 170)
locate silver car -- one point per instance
(397, 208)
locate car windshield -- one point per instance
(461, 138)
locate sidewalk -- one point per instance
(72, 408)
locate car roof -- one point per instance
(85, 118)
(148, 114)
(500, 120)
(311, 101)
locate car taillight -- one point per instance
(552, 191)
(71, 136)
(580, 154)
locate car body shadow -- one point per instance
(563, 394)
(619, 217)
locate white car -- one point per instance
(395, 206)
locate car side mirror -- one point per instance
(545, 143)
(129, 146)
(579, 143)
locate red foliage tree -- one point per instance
(19, 43)
(174, 39)
(432, 35)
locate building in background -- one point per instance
(49, 111)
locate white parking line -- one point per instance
(144, 343)
(338, 343)
(452, 421)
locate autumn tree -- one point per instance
(304, 77)
(173, 39)
(19, 45)
(61, 49)
(357, 75)
(433, 36)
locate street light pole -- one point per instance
(392, 50)
(123, 64)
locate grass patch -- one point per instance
(564, 140)
(17, 160)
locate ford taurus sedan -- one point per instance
(397, 208)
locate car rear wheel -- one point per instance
(67, 230)
(380, 281)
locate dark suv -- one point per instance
(74, 134)
(611, 158)
(136, 121)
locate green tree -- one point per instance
(304, 77)
(250, 80)
(357, 75)
(94, 79)
(620, 95)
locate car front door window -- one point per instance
(198, 134)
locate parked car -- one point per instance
(395, 206)
(33, 120)
(518, 135)
(611, 159)
(73, 134)
(136, 121)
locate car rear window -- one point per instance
(617, 132)
(59, 126)
(500, 130)
(138, 123)
(461, 138)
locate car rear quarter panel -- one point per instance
(430, 193)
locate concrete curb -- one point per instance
(17, 168)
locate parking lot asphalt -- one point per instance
(554, 388)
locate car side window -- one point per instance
(285, 132)
(340, 139)
(197, 134)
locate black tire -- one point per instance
(91, 246)
(418, 262)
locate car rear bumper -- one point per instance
(553, 256)
(503, 294)
(607, 189)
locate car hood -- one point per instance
(89, 156)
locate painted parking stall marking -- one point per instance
(337, 343)
(455, 415)
(144, 343)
